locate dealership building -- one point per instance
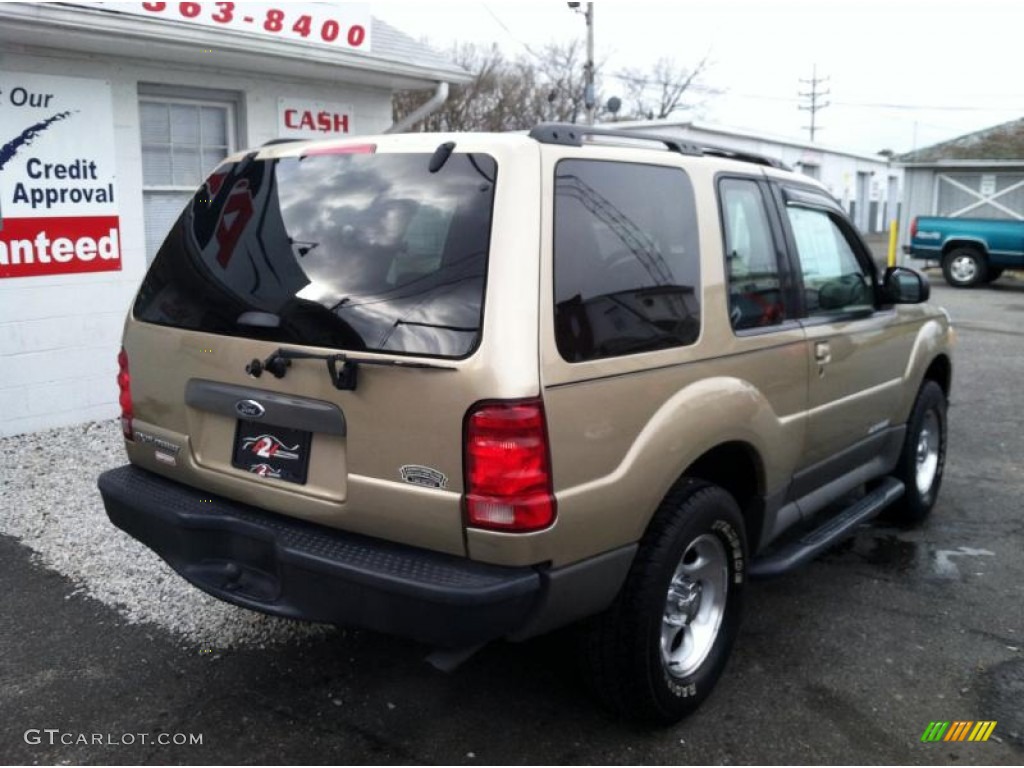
(110, 115)
(869, 187)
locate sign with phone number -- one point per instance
(343, 25)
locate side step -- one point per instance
(813, 543)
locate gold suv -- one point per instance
(468, 387)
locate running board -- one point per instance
(813, 543)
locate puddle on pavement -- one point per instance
(888, 551)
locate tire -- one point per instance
(994, 273)
(623, 648)
(964, 267)
(926, 437)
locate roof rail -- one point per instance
(742, 156)
(572, 135)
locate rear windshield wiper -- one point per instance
(342, 369)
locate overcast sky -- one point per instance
(904, 73)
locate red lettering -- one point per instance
(239, 203)
(329, 31)
(356, 35)
(59, 245)
(323, 122)
(214, 182)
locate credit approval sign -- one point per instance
(58, 203)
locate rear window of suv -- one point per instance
(627, 267)
(354, 251)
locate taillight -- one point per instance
(124, 384)
(913, 228)
(508, 467)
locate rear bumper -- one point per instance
(287, 567)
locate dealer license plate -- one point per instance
(275, 452)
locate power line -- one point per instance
(508, 31)
(888, 105)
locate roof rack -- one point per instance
(572, 135)
(744, 157)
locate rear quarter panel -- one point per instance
(624, 429)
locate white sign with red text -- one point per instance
(339, 25)
(58, 204)
(299, 119)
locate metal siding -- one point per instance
(953, 200)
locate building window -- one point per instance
(182, 141)
(809, 169)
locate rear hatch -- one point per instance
(304, 340)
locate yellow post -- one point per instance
(893, 237)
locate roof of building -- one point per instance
(392, 44)
(394, 60)
(745, 133)
(1000, 142)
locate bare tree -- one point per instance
(477, 105)
(548, 85)
(657, 93)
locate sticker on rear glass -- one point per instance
(425, 476)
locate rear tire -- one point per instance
(657, 652)
(994, 273)
(964, 267)
(923, 458)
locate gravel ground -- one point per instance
(66, 527)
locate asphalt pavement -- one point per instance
(845, 661)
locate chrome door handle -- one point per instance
(822, 352)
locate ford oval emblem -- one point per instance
(250, 409)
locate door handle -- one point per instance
(822, 352)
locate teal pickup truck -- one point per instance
(971, 251)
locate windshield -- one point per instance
(350, 251)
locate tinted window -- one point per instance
(834, 280)
(755, 289)
(627, 268)
(349, 251)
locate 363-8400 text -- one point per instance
(302, 21)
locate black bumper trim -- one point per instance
(288, 567)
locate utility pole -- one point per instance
(814, 97)
(589, 96)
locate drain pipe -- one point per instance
(439, 97)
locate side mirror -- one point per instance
(905, 286)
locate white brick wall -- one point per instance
(59, 335)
